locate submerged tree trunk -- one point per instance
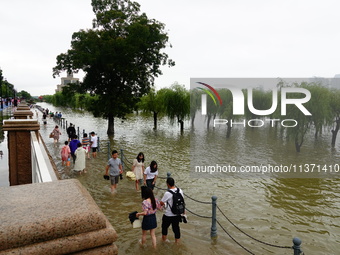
(317, 131)
(155, 114)
(193, 119)
(208, 121)
(181, 122)
(110, 128)
(228, 129)
(335, 131)
(297, 146)
(298, 143)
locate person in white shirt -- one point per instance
(169, 218)
(94, 144)
(150, 175)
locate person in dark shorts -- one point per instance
(73, 146)
(115, 167)
(94, 144)
(71, 131)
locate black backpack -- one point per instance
(178, 204)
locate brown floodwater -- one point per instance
(271, 208)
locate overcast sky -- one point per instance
(217, 38)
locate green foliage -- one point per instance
(7, 89)
(49, 99)
(177, 103)
(195, 103)
(24, 94)
(152, 102)
(334, 104)
(120, 56)
(1, 77)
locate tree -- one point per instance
(195, 103)
(303, 122)
(212, 108)
(24, 94)
(226, 112)
(1, 79)
(153, 102)
(320, 106)
(335, 110)
(177, 104)
(121, 55)
(260, 100)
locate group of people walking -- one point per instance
(76, 149)
(146, 180)
(150, 205)
(146, 176)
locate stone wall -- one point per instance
(57, 217)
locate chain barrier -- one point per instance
(127, 167)
(197, 201)
(206, 217)
(127, 160)
(234, 239)
(160, 188)
(272, 245)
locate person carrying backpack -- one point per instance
(173, 201)
(71, 131)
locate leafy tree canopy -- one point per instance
(121, 55)
(24, 94)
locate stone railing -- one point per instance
(57, 217)
(47, 215)
(42, 169)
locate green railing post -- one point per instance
(98, 144)
(297, 249)
(84, 132)
(213, 233)
(78, 133)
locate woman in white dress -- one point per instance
(80, 163)
(138, 169)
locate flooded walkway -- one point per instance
(195, 236)
(272, 210)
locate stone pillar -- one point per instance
(19, 149)
(23, 114)
(57, 217)
(23, 108)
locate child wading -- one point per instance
(65, 153)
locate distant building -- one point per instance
(65, 81)
(336, 81)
